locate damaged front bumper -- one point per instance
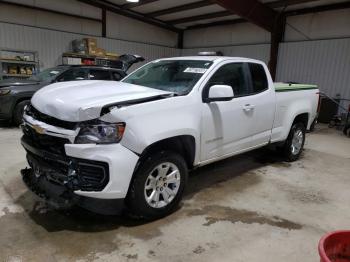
(69, 174)
(60, 197)
(56, 178)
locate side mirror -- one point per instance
(219, 93)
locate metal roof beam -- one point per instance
(218, 23)
(283, 3)
(321, 8)
(181, 8)
(199, 17)
(253, 11)
(139, 3)
(129, 13)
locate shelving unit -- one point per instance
(18, 64)
(80, 59)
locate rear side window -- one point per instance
(232, 75)
(259, 79)
(96, 74)
(73, 75)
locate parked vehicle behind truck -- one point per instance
(16, 94)
(107, 145)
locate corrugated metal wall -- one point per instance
(260, 52)
(323, 62)
(51, 44)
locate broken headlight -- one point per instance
(100, 133)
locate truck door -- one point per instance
(263, 103)
(227, 125)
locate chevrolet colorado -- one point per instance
(107, 145)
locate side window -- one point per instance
(73, 74)
(116, 76)
(258, 76)
(96, 74)
(232, 75)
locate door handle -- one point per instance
(248, 107)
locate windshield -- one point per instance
(178, 76)
(48, 74)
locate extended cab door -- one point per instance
(227, 126)
(263, 102)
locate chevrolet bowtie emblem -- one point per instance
(39, 129)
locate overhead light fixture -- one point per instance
(132, 1)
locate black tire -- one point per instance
(18, 112)
(312, 127)
(331, 124)
(288, 151)
(346, 130)
(136, 203)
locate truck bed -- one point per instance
(284, 87)
(289, 103)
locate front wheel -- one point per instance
(18, 112)
(295, 142)
(157, 186)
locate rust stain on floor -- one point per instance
(215, 213)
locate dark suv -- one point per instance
(16, 94)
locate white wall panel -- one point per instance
(331, 24)
(237, 34)
(260, 52)
(25, 16)
(51, 44)
(65, 6)
(125, 28)
(324, 62)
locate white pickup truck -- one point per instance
(106, 145)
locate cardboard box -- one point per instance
(100, 52)
(112, 54)
(29, 70)
(91, 44)
(12, 70)
(92, 51)
(22, 70)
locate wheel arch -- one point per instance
(185, 145)
(19, 100)
(302, 118)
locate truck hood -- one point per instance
(83, 100)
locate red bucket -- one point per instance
(335, 247)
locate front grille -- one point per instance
(89, 175)
(93, 175)
(31, 111)
(49, 151)
(48, 143)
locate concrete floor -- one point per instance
(253, 207)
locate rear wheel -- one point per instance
(18, 112)
(346, 130)
(294, 144)
(158, 186)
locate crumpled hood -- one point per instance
(83, 100)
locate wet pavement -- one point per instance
(252, 207)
